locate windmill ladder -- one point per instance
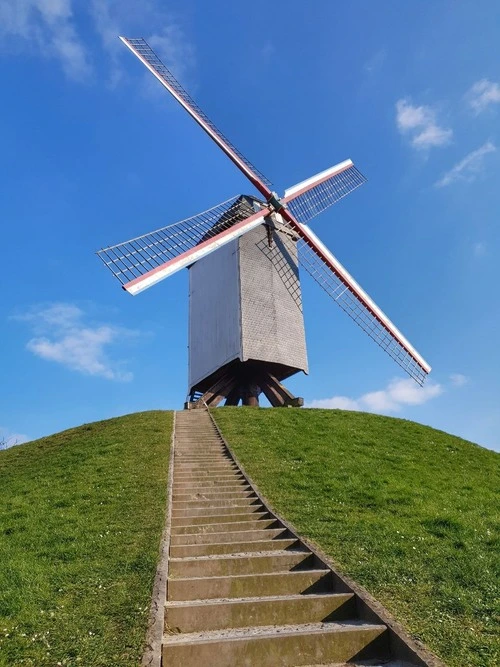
(236, 586)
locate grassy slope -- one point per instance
(409, 512)
(81, 515)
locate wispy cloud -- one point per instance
(419, 123)
(458, 380)
(63, 334)
(132, 19)
(46, 27)
(267, 51)
(376, 62)
(398, 394)
(479, 249)
(468, 168)
(482, 95)
(8, 438)
(53, 28)
(177, 52)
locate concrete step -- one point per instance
(248, 548)
(206, 475)
(269, 646)
(200, 453)
(227, 485)
(204, 481)
(202, 615)
(201, 468)
(218, 459)
(211, 488)
(214, 495)
(208, 447)
(231, 502)
(230, 536)
(211, 511)
(231, 565)
(226, 526)
(199, 444)
(214, 461)
(251, 585)
(214, 467)
(209, 458)
(219, 518)
(204, 445)
(207, 480)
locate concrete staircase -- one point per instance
(242, 588)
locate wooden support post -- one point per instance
(234, 397)
(278, 395)
(251, 395)
(218, 391)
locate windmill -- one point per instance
(246, 327)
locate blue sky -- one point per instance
(95, 152)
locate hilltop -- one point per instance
(81, 514)
(411, 513)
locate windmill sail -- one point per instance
(141, 49)
(314, 195)
(145, 260)
(336, 281)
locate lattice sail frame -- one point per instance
(314, 195)
(145, 53)
(162, 249)
(346, 293)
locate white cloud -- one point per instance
(420, 125)
(409, 117)
(132, 19)
(172, 46)
(9, 438)
(468, 168)
(399, 392)
(53, 28)
(432, 135)
(483, 94)
(48, 27)
(63, 335)
(336, 402)
(458, 380)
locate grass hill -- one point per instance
(411, 513)
(81, 514)
(408, 511)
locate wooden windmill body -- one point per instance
(246, 327)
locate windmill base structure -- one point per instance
(246, 327)
(244, 381)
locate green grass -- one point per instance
(409, 512)
(81, 516)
